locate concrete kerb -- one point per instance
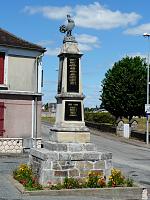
(119, 192)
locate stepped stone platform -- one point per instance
(56, 161)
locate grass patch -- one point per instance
(141, 123)
(50, 120)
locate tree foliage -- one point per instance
(124, 88)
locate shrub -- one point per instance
(25, 176)
(129, 182)
(95, 180)
(71, 183)
(117, 179)
(99, 117)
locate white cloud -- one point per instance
(52, 52)
(136, 54)
(84, 47)
(99, 17)
(87, 42)
(93, 15)
(45, 42)
(50, 12)
(138, 30)
(85, 38)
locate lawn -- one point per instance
(51, 120)
(141, 123)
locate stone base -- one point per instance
(56, 161)
(80, 137)
(69, 134)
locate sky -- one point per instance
(106, 31)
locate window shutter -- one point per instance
(2, 57)
(2, 118)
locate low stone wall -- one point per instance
(56, 161)
(139, 135)
(14, 145)
(101, 127)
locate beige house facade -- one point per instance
(20, 87)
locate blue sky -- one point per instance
(106, 30)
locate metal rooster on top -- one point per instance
(69, 27)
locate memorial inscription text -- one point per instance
(73, 111)
(72, 74)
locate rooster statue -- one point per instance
(69, 27)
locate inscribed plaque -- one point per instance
(73, 111)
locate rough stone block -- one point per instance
(56, 166)
(45, 177)
(89, 147)
(61, 173)
(84, 173)
(91, 156)
(88, 165)
(65, 137)
(47, 164)
(68, 165)
(70, 137)
(99, 164)
(108, 164)
(64, 156)
(80, 165)
(54, 146)
(73, 173)
(82, 137)
(75, 147)
(77, 156)
(106, 156)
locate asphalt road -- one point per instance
(133, 159)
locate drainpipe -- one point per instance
(36, 108)
(33, 112)
(38, 90)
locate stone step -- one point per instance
(73, 147)
(45, 154)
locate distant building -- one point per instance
(20, 87)
(101, 110)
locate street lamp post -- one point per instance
(147, 35)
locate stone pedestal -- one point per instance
(69, 152)
(56, 161)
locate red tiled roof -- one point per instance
(10, 40)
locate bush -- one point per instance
(95, 180)
(117, 179)
(24, 175)
(99, 117)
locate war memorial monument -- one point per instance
(69, 151)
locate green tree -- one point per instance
(46, 107)
(124, 88)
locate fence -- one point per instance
(16, 145)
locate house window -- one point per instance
(2, 118)
(2, 58)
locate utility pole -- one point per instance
(147, 106)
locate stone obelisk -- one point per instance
(69, 152)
